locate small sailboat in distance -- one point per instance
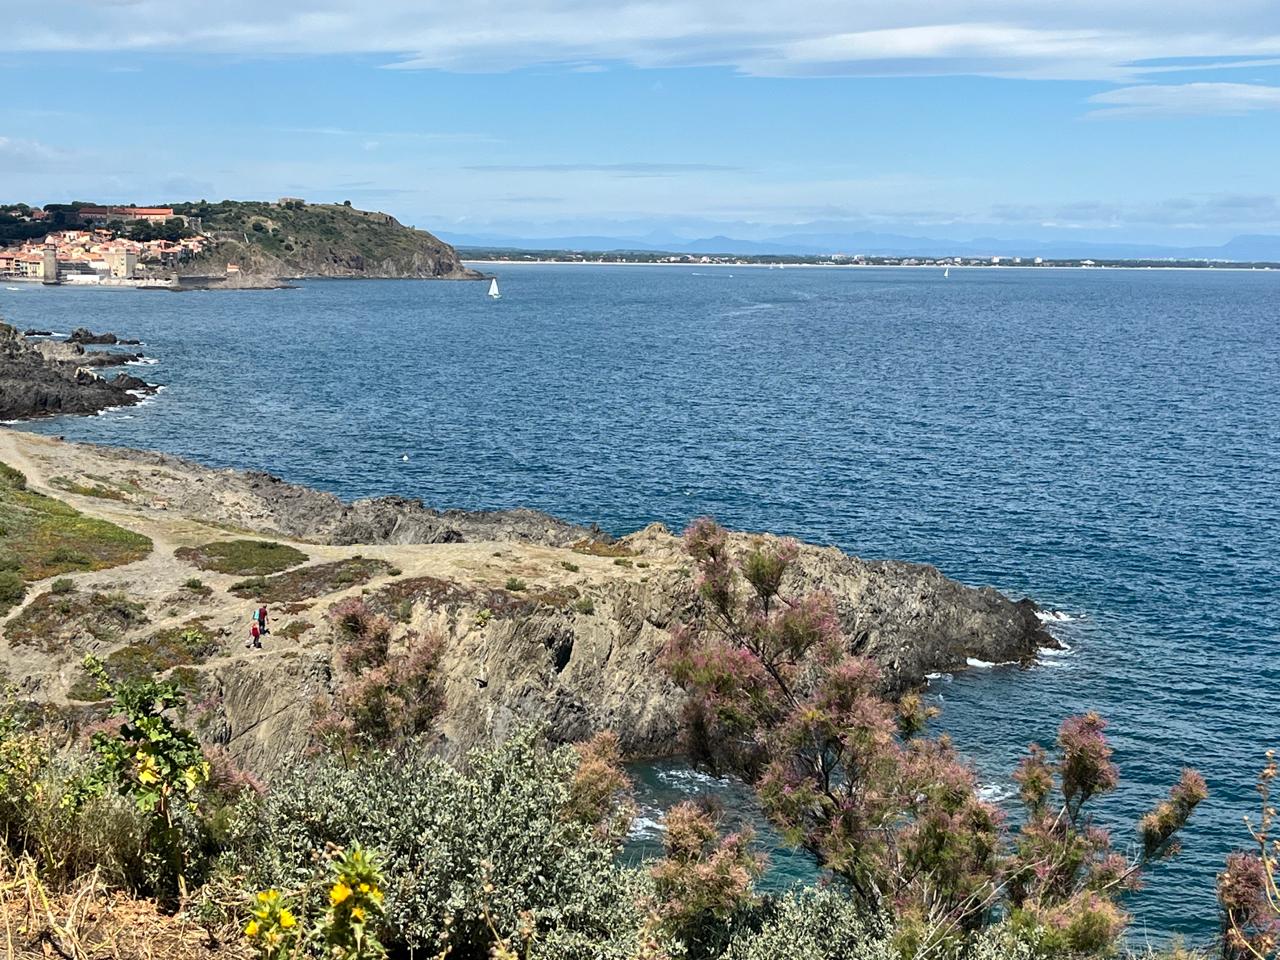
(946, 273)
(493, 289)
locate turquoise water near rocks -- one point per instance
(1103, 441)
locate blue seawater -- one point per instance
(1106, 442)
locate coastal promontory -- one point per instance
(291, 239)
(534, 619)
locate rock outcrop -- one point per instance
(538, 619)
(260, 501)
(588, 657)
(47, 379)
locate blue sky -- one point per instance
(1123, 121)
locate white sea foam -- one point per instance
(1054, 616)
(686, 778)
(642, 827)
(944, 677)
(979, 664)
(995, 792)
(1065, 651)
(142, 362)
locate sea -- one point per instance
(1105, 442)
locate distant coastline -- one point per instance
(824, 265)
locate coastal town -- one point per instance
(98, 245)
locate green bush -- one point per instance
(12, 589)
(62, 586)
(585, 605)
(496, 840)
(243, 558)
(515, 584)
(824, 924)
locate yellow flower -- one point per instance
(252, 929)
(339, 893)
(147, 775)
(364, 888)
(358, 913)
(287, 919)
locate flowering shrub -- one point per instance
(151, 759)
(600, 792)
(273, 927)
(384, 698)
(345, 929)
(1063, 875)
(355, 908)
(436, 827)
(703, 879)
(776, 697)
(1249, 887)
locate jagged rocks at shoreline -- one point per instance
(84, 335)
(538, 619)
(47, 378)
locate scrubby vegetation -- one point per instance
(374, 845)
(244, 558)
(183, 645)
(306, 583)
(42, 537)
(60, 620)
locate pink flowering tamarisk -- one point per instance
(777, 698)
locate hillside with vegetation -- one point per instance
(291, 238)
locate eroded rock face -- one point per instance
(263, 707)
(511, 658)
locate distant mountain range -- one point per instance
(1252, 248)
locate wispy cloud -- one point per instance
(1186, 99)
(19, 155)
(1089, 39)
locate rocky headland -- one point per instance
(44, 378)
(260, 244)
(539, 619)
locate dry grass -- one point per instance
(88, 922)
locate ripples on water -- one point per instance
(1105, 442)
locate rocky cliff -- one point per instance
(292, 239)
(538, 619)
(45, 378)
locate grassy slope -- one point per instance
(43, 537)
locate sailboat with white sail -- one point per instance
(493, 289)
(946, 273)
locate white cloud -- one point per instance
(1186, 99)
(1087, 39)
